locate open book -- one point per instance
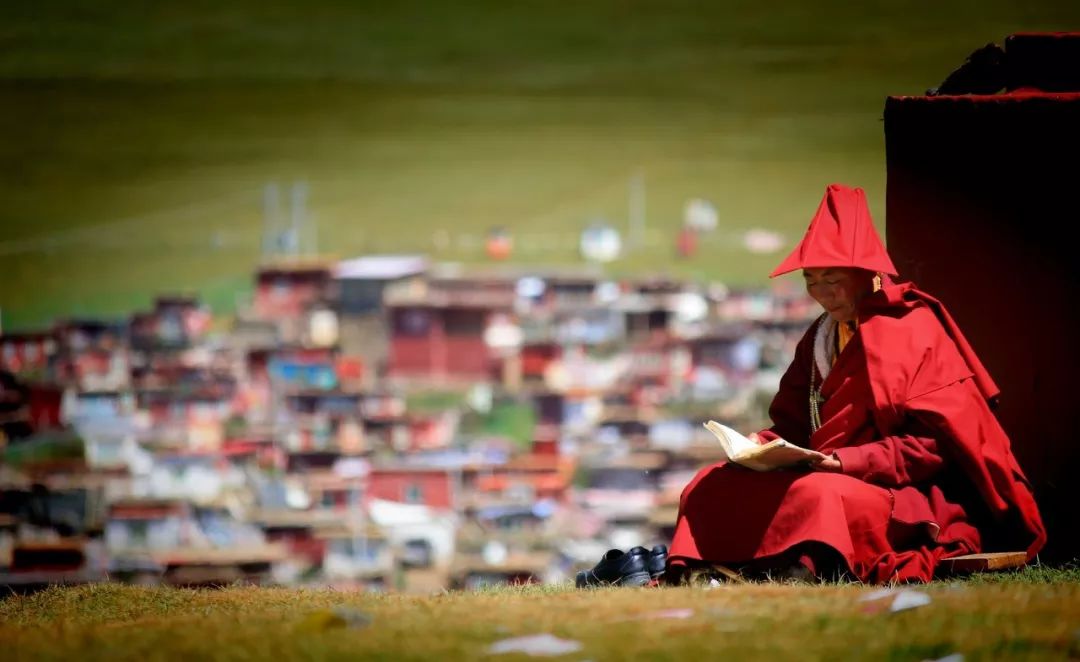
(764, 457)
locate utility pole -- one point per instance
(299, 216)
(271, 219)
(289, 237)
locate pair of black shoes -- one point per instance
(636, 567)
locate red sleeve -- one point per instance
(790, 409)
(895, 461)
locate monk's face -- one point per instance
(838, 289)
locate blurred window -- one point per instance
(412, 322)
(464, 322)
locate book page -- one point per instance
(776, 454)
(733, 443)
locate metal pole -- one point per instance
(271, 219)
(299, 210)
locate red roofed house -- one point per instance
(439, 334)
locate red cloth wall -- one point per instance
(982, 193)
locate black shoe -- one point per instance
(657, 561)
(618, 569)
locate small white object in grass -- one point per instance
(700, 215)
(955, 657)
(671, 613)
(876, 595)
(762, 241)
(909, 600)
(536, 644)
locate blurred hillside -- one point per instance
(136, 139)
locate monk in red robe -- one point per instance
(911, 466)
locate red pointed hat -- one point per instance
(840, 235)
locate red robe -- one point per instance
(927, 471)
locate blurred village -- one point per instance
(382, 423)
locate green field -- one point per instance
(136, 139)
(1033, 615)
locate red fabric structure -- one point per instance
(978, 205)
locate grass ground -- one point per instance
(1032, 615)
(136, 139)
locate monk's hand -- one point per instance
(828, 463)
(754, 438)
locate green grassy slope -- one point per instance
(135, 139)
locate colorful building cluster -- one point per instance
(378, 422)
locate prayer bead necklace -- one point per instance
(815, 402)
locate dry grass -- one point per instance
(1030, 615)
